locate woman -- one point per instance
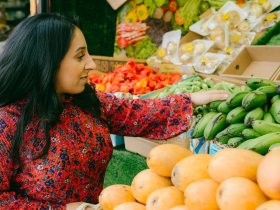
(54, 128)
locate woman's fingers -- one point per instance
(205, 97)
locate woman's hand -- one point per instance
(205, 97)
(75, 205)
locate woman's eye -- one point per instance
(80, 57)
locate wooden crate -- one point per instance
(276, 77)
(143, 146)
(108, 64)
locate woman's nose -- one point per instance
(90, 65)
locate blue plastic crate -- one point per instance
(117, 140)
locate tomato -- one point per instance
(165, 7)
(173, 6)
(122, 42)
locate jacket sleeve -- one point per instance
(150, 118)
(9, 199)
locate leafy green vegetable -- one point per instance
(180, 27)
(130, 51)
(217, 4)
(142, 49)
(138, 1)
(160, 3)
(181, 3)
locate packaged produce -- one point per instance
(190, 53)
(230, 13)
(257, 8)
(268, 20)
(209, 63)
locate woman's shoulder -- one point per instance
(11, 110)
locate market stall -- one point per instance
(227, 156)
(245, 121)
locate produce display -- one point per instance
(138, 36)
(219, 36)
(133, 78)
(176, 179)
(192, 84)
(247, 119)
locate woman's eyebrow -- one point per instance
(80, 48)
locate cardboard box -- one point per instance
(254, 61)
(115, 4)
(276, 77)
(108, 64)
(143, 146)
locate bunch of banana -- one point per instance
(201, 124)
(224, 108)
(233, 130)
(255, 114)
(248, 118)
(270, 91)
(249, 133)
(275, 110)
(268, 117)
(215, 104)
(235, 141)
(264, 127)
(235, 99)
(255, 83)
(274, 98)
(236, 115)
(214, 126)
(254, 99)
(261, 144)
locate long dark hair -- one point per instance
(28, 66)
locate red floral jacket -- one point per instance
(74, 167)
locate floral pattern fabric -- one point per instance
(73, 169)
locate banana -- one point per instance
(234, 142)
(270, 91)
(267, 117)
(274, 98)
(255, 114)
(273, 146)
(255, 83)
(236, 115)
(254, 99)
(223, 136)
(263, 146)
(249, 133)
(251, 144)
(214, 104)
(217, 124)
(202, 109)
(201, 124)
(224, 108)
(275, 110)
(263, 127)
(235, 99)
(234, 130)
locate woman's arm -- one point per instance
(154, 118)
(150, 118)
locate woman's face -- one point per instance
(74, 68)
